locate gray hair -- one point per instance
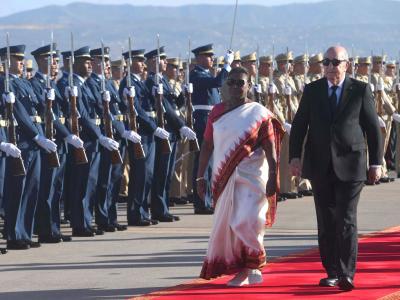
(340, 50)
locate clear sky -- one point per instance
(12, 6)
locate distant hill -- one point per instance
(364, 24)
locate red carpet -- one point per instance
(377, 277)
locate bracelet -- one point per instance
(199, 179)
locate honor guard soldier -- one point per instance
(47, 220)
(177, 193)
(364, 65)
(28, 69)
(286, 93)
(384, 106)
(21, 192)
(205, 96)
(82, 178)
(249, 62)
(300, 73)
(117, 71)
(315, 71)
(175, 126)
(237, 60)
(110, 172)
(141, 168)
(353, 65)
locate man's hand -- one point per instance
(374, 174)
(271, 185)
(295, 167)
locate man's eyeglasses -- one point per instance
(238, 83)
(335, 62)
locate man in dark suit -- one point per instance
(336, 113)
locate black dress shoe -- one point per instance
(391, 179)
(49, 239)
(106, 228)
(329, 281)
(384, 180)
(33, 244)
(64, 221)
(65, 238)
(306, 192)
(82, 232)
(152, 221)
(165, 218)
(140, 223)
(17, 245)
(180, 201)
(281, 198)
(120, 227)
(3, 250)
(345, 283)
(290, 195)
(176, 218)
(203, 211)
(97, 231)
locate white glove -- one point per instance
(396, 117)
(157, 90)
(51, 94)
(287, 90)
(129, 92)
(74, 141)
(71, 92)
(10, 149)
(228, 58)
(106, 96)
(380, 85)
(187, 133)
(188, 88)
(257, 88)
(381, 123)
(108, 143)
(9, 98)
(46, 144)
(287, 127)
(396, 87)
(161, 133)
(132, 136)
(272, 88)
(372, 87)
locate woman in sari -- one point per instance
(244, 138)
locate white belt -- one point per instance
(178, 113)
(95, 121)
(151, 114)
(203, 107)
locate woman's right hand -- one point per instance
(201, 188)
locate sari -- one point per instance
(240, 174)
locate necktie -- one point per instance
(333, 99)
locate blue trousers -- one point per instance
(21, 196)
(47, 219)
(140, 181)
(81, 183)
(163, 170)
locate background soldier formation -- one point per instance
(96, 131)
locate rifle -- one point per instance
(288, 99)
(52, 157)
(17, 163)
(165, 145)
(115, 155)
(379, 94)
(138, 152)
(397, 84)
(79, 153)
(270, 104)
(257, 96)
(193, 144)
(353, 63)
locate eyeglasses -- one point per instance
(335, 62)
(238, 83)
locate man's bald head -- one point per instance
(336, 62)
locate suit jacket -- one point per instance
(337, 140)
